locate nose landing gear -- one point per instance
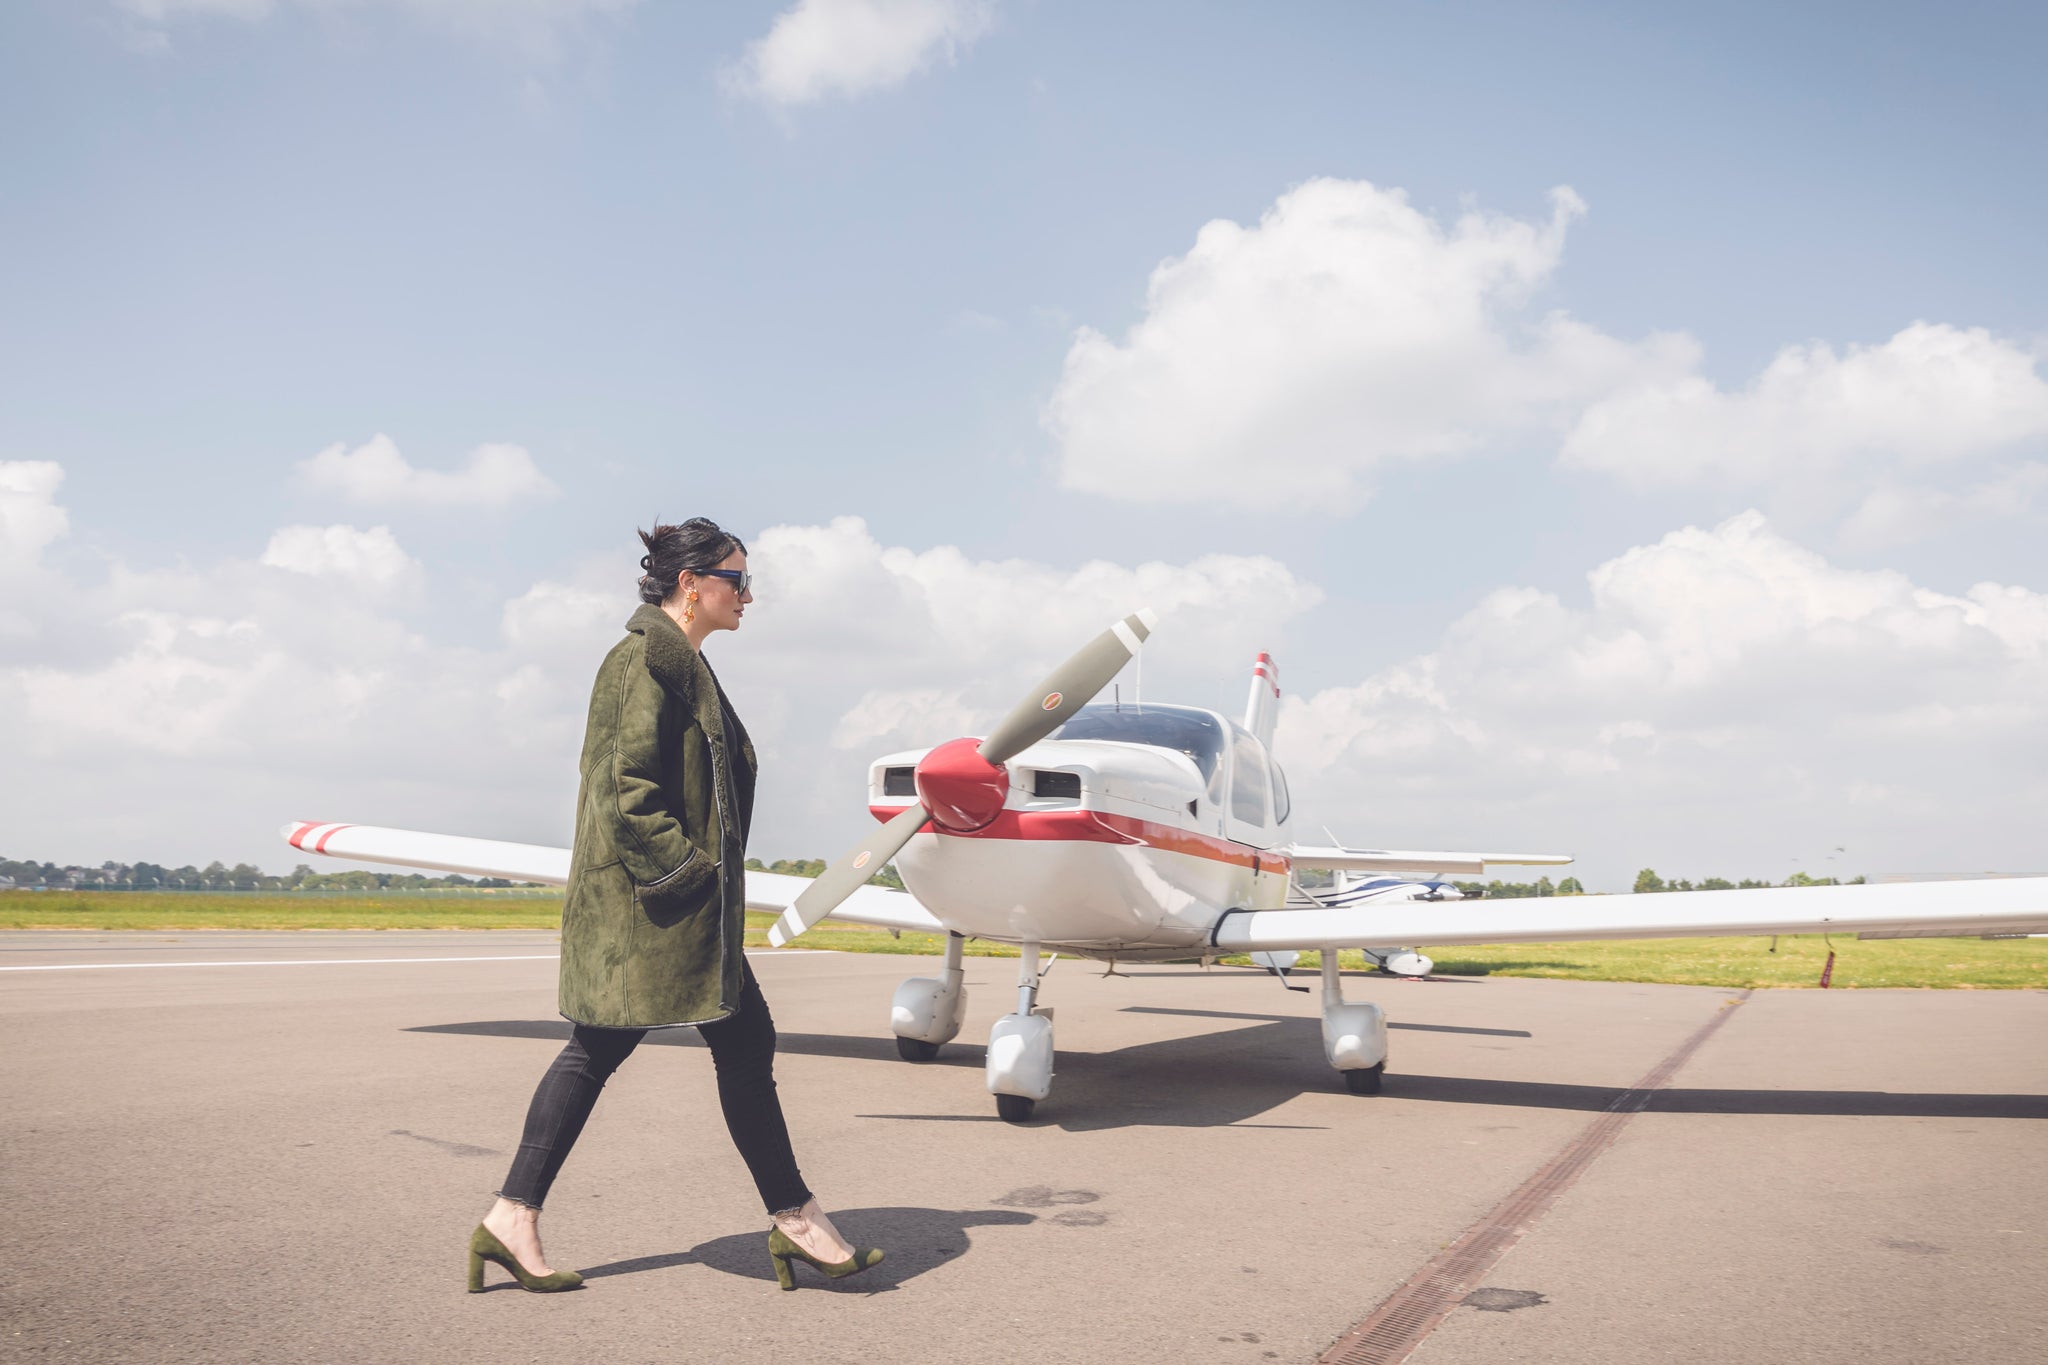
(1020, 1047)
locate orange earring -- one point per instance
(689, 607)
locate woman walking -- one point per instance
(655, 912)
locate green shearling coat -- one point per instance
(656, 907)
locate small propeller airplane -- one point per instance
(1147, 833)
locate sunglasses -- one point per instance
(743, 579)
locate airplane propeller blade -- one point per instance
(962, 793)
(1068, 688)
(848, 875)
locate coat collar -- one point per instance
(671, 658)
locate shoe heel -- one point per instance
(785, 1273)
(483, 1246)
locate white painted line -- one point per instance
(279, 962)
(331, 961)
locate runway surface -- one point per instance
(281, 1159)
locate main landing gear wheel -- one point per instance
(1015, 1108)
(911, 1050)
(1366, 1080)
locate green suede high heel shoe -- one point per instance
(786, 1253)
(485, 1247)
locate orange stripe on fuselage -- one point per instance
(1108, 827)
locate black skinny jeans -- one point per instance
(742, 1048)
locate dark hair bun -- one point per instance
(696, 544)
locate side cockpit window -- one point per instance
(1250, 789)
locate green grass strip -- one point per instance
(1736, 963)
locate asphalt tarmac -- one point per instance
(282, 1161)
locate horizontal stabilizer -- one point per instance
(1333, 859)
(1952, 908)
(873, 905)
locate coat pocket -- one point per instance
(678, 895)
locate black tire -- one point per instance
(912, 1050)
(1015, 1108)
(1365, 1081)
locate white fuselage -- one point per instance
(1128, 850)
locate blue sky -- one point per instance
(240, 233)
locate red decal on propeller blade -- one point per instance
(1052, 702)
(863, 859)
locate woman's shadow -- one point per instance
(916, 1240)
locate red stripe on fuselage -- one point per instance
(1107, 827)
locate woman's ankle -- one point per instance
(510, 1213)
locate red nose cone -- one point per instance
(963, 791)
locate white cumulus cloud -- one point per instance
(1344, 331)
(377, 473)
(30, 519)
(1895, 511)
(1286, 363)
(1726, 701)
(1932, 395)
(553, 615)
(180, 687)
(371, 557)
(822, 48)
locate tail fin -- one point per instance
(1264, 706)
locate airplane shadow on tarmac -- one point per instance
(1226, 1079)
(917, 1240)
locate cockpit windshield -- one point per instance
(1183, 729)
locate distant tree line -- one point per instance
(1498, 890)
(218, 876)
(1646, 881)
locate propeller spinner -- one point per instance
(962, 784)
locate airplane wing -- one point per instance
(872, 905)
(1334, 859)
(2004, 906)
